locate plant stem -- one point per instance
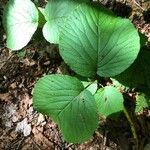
(132, 126)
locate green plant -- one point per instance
(142, 102)
(93, 42)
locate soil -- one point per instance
(22, 128)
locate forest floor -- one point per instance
(22, 128)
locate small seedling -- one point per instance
(93, 42)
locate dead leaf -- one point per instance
(40, 139)
(5, 97)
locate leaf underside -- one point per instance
(65, 100)
(94, 39)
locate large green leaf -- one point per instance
(20, 21)
(65, 100)
(109, 101)
(94, 41)
(56, 12)
(138, 74)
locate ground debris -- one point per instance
(24, 127)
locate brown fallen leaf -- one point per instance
(40, 139)
(5, 97)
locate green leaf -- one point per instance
(141, 103)
(42, 20)
(56, 12)
(90, 86)
(138, 74)
(20, 21)
(94, 41)
(65, 100)
(109, 101)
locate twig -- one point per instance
(6, 61)
(136, 3)
(20, 143)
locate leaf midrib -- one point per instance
(75, 98)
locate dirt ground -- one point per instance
(22, 128)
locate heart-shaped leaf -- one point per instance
(109, 101)
(94, 41)
(65, 100)
(20, 21)
(56, 12)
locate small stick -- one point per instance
(136, 3)
(20, 143)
